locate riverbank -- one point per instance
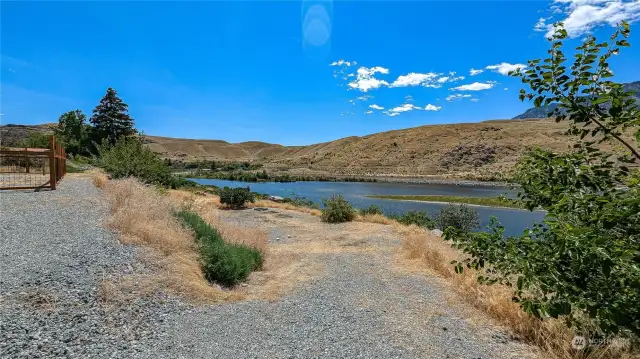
(261, 177)
(471, 201)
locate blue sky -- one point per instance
(277, 71)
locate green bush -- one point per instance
(418, 218)
(223, 263)
(301, 201)
(372, 209)
(129, 157)
(337, 210)
(460, 217)
(235, 197)
(582, 263)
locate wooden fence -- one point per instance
(32, 168)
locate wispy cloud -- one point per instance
(457, 97)
(505, 67)
(410, 107)
(476, 86)
(369, 112)
(581, 16)
(364, 98)
(474, 72)
(475, 100)
(376, 107)
(343, 63)
(408, 98)
(415, 79)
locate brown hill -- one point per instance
(471, 150)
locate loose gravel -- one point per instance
(55, 255)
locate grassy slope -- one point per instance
(481, 201)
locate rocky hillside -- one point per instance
(542, 112)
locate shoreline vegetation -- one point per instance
(472, 201)
(260, 177)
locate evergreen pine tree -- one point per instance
(111, 119)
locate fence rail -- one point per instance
(32, 168)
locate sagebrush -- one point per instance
(337, 210)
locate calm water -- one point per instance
(514, 220)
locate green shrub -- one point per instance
(372, 209)
(235, 197)
(129, 157)
(301, 201)
(581, 262)
(418, 218)
(461, 217)
(223, 263)
(337, 210)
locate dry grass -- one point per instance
(427, 251)
(143, 217)
(99, 179)
(289, 206)
(374, 218)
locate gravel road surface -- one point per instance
(54, 255)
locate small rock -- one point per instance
(436, 232)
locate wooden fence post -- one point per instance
(52, 163)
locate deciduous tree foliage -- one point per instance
(73, 131)
(583, 262)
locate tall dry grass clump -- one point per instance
(552, 335)
(250, 237)
(99, 179)
(144, 217)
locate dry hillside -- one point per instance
(455, 150)
(470, 149)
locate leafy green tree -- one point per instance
(583, 262)
(111, 119)
(73, 131)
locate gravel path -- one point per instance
(55, 255)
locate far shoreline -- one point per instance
(381, 179)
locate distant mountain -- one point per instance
(543, 112)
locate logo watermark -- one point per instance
(579, 342)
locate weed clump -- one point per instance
(462, 217)
(421, 219)
(337, 210)
(223, 263)
(372, 209)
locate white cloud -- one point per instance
(446, 79)
(376, 107)
(369, 112)
(409, 107)
(364, 98)
(474, 72)
(343, 63)
(475, 100)
(506, 88)
(505, 67)
(414, 79)
(456, 97)
(581, 16)
(408, 98)
(365, 81)
(476, 86)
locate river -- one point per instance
(514, 220)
